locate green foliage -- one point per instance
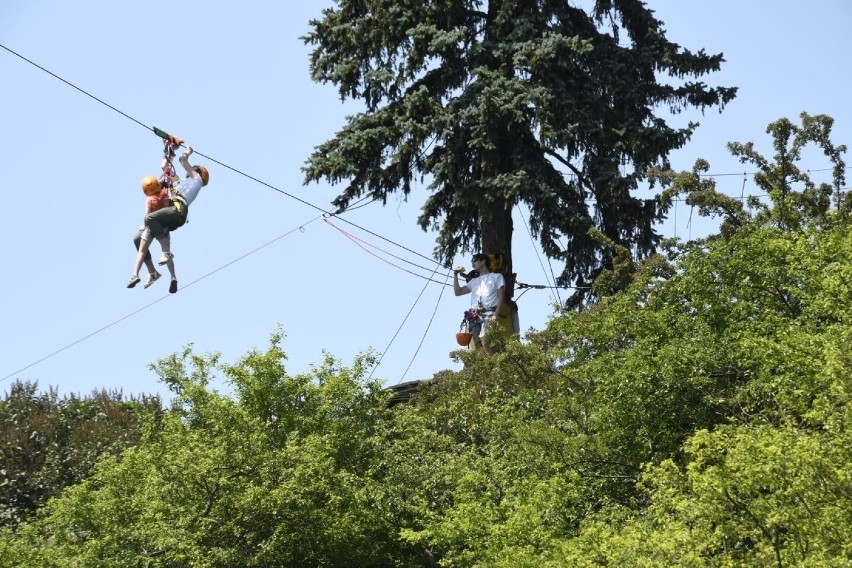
(750, 496)
(771, 488)
(795, 201)
(811, 203)
(770, 485)
(48, 443)
(697, 415)
(275, 476)
(504, 102)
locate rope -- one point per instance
(169, 175)
(145, 307)
(146, 127)
(405, 319)
(529, 232)
(363, 244)
(428, 326)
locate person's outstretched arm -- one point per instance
(184, 161)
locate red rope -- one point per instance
(170, 146)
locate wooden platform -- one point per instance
(403, 392)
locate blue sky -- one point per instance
(252, 259)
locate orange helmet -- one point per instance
(463, 338)
(202, 171)
(151, 185)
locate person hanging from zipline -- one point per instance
(157, 197)
(159, 223)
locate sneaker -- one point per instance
(134, 280)
(152, 277)
(165, 257)
(173, 287)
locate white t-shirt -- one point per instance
(484, 288)
(189, 188)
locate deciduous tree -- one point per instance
(48, 442)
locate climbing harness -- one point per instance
(470, 320)
(170, 145)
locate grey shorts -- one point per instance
(478, 329)
(145, 235)
(162, 221)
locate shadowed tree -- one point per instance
(503, 102)
(48, 442)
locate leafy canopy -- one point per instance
(698, 415)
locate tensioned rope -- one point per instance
(425, 332)
(405, 319)
(214, 160)
(145, 307)
(325, 214)
(364, 244)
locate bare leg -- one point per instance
(171, 266)
(140, 258)
(149, 262)
(165, 244)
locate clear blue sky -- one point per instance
(72, 168)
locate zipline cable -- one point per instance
(307, 203)
(426, 331)
(145, 307)
(270, 186)
(154, 129)
(541, 263)
(363, 244)
(405, 319)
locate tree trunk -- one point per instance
(497, 228)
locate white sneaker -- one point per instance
(152, 277)
(165, 258)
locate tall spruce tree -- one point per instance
(502, 102)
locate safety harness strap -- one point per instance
(170, 145)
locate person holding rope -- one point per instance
(487, 292)
(159, 223)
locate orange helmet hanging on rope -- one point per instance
(151, 185)
(202, 171)
(463, 338)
